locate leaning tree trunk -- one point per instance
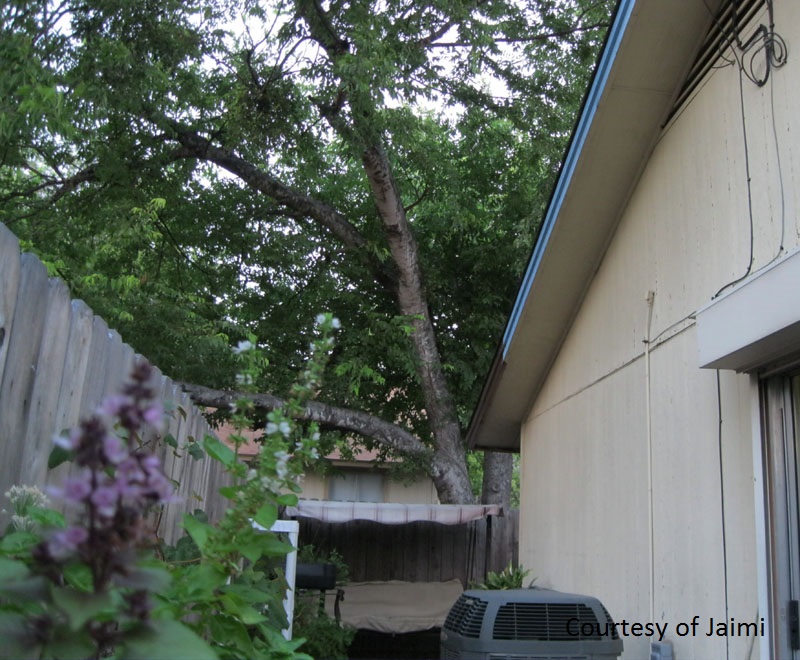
(449, 473)
(449, 468)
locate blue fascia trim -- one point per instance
(616, 33)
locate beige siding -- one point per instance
(684, 235)
(421, 491)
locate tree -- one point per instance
(198, 170)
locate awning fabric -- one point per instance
(391, 513)
(394, 606)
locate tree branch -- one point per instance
(344, 419)
(63, 186)
(443, 29)
(196, 146)
(520, 40)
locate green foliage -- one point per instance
(93, 589)
(325, 637)
(472, 103)
(511, 577)
(309, 553)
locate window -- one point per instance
(781, 451)
(356, 486)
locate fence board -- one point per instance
(41, 422)
(9, 283)
(57, 362)
(18, 375)
(76, 360)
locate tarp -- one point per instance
(390, 513)
(395, 606)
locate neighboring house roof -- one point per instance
(361, 456)
(649, 49)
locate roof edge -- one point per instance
(620, 20)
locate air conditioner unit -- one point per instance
(517, 624)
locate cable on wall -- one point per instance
(722, 510)
(764, 41)
(650, 300)
(749, 191)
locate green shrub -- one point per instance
(511, 577)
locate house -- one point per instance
(649, 373)
(358, 477)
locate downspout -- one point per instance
(651, 296)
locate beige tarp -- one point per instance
(391, 513)
(395, 606)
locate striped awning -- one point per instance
(390, 513)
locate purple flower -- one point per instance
(113, 404)
(160, 486)
(114, 449)
(151, 463)
(65, 542)
(154, 414)
(105, 499)
(130, 470)
(77, 489)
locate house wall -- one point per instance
(585, 500)
(421, 491)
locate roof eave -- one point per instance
(647, 53)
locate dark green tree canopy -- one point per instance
(200, 170)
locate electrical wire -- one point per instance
(781, 247)
(773, 47)
(749, 190)
(722, 512)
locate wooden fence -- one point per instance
(418, 551)
(57, 362)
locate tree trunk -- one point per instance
(498, 468)
(449, 472)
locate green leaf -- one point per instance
(219, 451)
(79, 606)
(78, 575)
(230, 492)
(199, 531)
(46, 517)
(261, 544)
(195, 451)
(241, 610)
(17, 640)
(12, 570)
(58, 456)
(31, 589)
(171, 441)
(232, 634)
(164, 639)
(17, 542)
(199, 582)
(287, 499)
(66, 644)
(266, 515)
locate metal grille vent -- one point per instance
(466, 617)
(546, 622)
(611, 625)
(726, 26)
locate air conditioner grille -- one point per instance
(547, 622)
(611, 626)
(466, 617)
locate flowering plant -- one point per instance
(96, 587)
(86, 589)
